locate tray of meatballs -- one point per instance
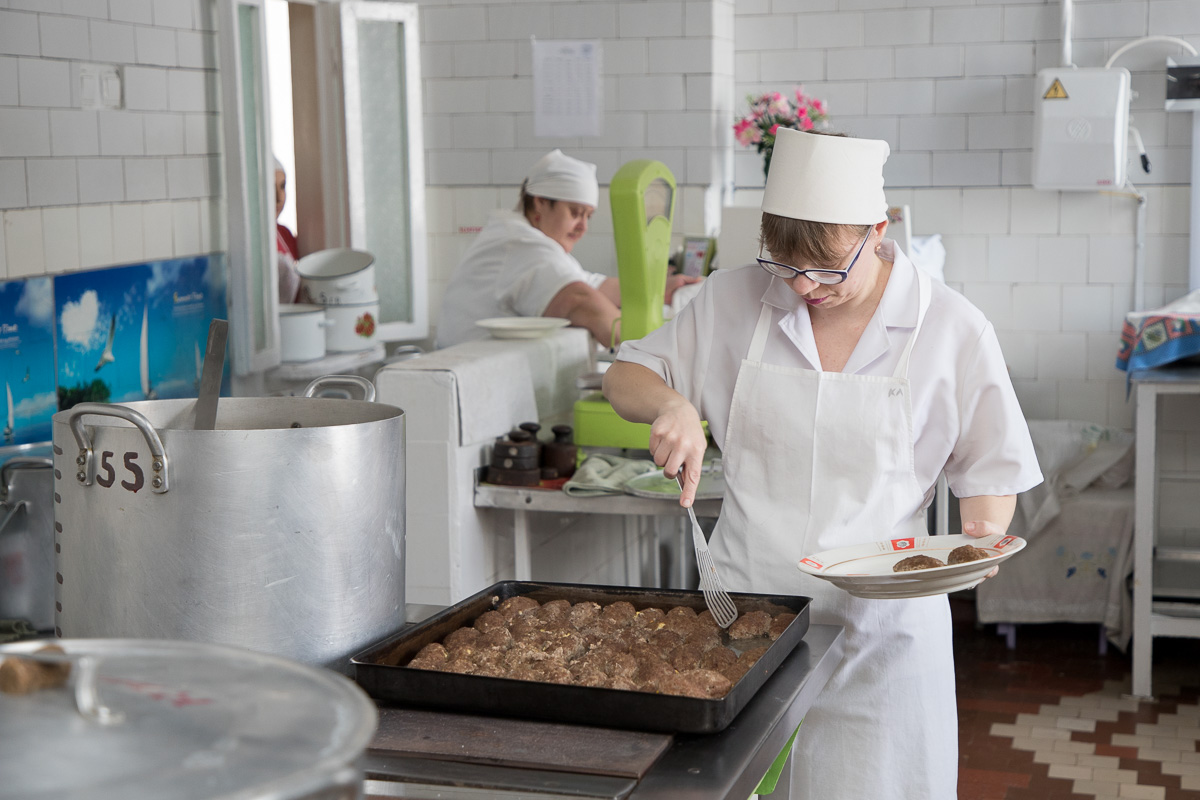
(618, 657)
(912, 567)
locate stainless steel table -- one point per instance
(1153, 618)
(522, 501)
(721, 766)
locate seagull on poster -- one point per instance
(107, 356)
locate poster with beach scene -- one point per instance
(137, 332)
(27, 360)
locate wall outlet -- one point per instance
(98, 86)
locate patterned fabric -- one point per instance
(1152, 339)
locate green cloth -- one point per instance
(13, 630)
(767, 784)
(602, 474)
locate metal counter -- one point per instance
(695, 767)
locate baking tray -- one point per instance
(380, 671)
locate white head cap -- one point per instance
(559, 177)
(278, 164)
(820, 178)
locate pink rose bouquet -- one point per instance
(772, 111)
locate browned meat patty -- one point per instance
(649, 620)
(622, 664)
(582, 614)
(687, 656)
(621, 682)
(697, 683)
(916, 562)
(498, 639)
(665, 641)
(515, 605)
(961, 555)
(431, 656)
(752, 655)
(779, 625)
(591, 677)
(650, 674)
(566, 647)
(682, 611)
(620, 612)
(463, 637)
(462, 665)
(490, 621)
(718, 658)
(555, 610)
(749, 625)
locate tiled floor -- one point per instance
(1051, 720)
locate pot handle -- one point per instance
(345, 380)
(86, 458)
(18, 463)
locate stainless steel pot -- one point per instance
(27, 541)
(282, 530)
(145, 720)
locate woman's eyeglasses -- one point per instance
(825, 276)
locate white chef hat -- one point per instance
(820, 178)
(559, 177)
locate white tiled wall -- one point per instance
(950, 87)
(81, 189)
(668, 95)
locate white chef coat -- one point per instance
(511, 270)
(966, 416)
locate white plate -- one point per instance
(654, 484)
(522, 327)
(865, 570)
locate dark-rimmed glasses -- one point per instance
(825, 276)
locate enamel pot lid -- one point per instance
(157, 718)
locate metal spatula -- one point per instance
(719, 603)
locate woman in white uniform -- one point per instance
(839, 382)
(521, 263)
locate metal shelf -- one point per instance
(1176, 554)
(1152, 615)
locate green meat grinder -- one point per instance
(642, 195)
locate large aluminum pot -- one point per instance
(282, 530)
(27, 541)
(147, 720)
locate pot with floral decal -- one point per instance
(352, 327)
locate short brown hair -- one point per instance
(821, 244)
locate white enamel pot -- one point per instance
(302, 332)
(340, 276)
(352, 327)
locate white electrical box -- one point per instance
(1080, 129)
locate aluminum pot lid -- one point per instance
(178, 719)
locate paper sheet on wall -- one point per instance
(567, 89)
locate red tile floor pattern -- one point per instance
(1052, 719)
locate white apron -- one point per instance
(816, 460)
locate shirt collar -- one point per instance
(897, 309)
